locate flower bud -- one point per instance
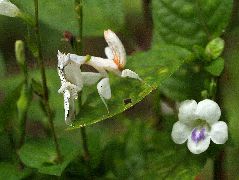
(20, 54)
(8, 9)
(214, 48)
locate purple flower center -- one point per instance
(198, 134)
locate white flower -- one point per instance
(198, 124)
(8, 9)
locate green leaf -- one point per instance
(12, 172)
(8, 105)
(216, 67)
(184, 84)
(144, 152)
(187, 23)
(41, 155)
(153, 67)
(214, 48)
(61, 16)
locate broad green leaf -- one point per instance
(187, 23)
(40, 154)
(145, 153)
(216, 67)
(61, 16)
(153, 67)
(184, 84)
(10, 171)
(229, 86)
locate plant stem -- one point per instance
(79, 12)
(218, 167)
(79, 50)
(85, 146)
(44, 82)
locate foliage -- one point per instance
(188, 59)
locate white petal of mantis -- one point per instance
(109, 54)
(8, 9)
(130, 74)
(69, 107)
(90, 78)
(70, 93)
(104, 90)
(78, 59)
(117, 48)
(63, 59)
(103, 65)
(73, 74)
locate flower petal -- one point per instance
(109, 54)
(180, 132)
(208, 110)
(219, 132)
(186, 111)
(198, 147)
(131, 74)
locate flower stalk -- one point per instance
(79, 50)
(44, 82)
(24, 99)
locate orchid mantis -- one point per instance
(73, 79)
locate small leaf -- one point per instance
(214, 48)
(41, 154)
(216, 67)
(23, 101)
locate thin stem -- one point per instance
(79, 12)
(219, 173)
(85, 146)
(79, 50)
(44, 82)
